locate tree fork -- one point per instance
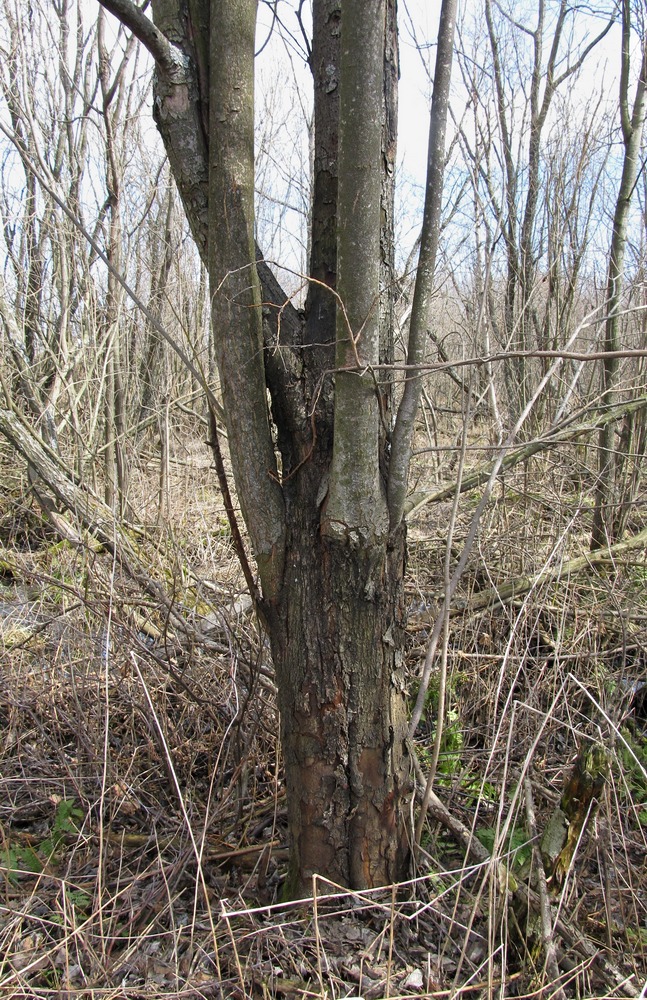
(331, 571)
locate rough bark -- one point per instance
(337, 633)
(337, 651)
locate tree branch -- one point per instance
(512, 589)
(236, 309)
(143, 28)
(421, 319)
(355, 505)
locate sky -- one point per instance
(418, 26)
(418, 21)
(282, 67)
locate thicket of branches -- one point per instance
(137, 688)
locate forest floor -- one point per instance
(142, 822)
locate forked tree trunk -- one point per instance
(330, 554)
(336, 629)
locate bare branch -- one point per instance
(421, 309)
(143, 28)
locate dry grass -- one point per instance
(141, 815)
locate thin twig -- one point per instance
(550, 950)
(442, 677)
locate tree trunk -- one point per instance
(331, 568)
(337, 628)
(336, 644)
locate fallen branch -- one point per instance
(93, 514)
(80, 500)
(523, 584)
(559, 435)
(548, 937)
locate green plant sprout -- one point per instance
(17, 859)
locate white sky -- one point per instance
(418, 23)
